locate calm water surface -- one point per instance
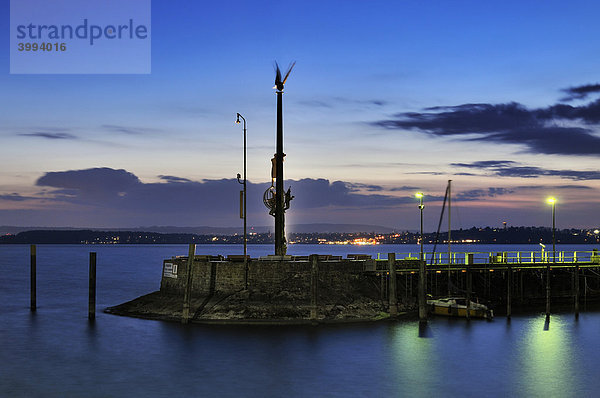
(56, 352)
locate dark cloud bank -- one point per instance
(509, 168)
(558, 129)
(106, 192)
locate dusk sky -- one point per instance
(387, 98)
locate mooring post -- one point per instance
(469, 284)
(92, 288)
(314, 285)
(187, 295)
(576, 290)
(382, 287)
(508, 293)
(32, 278)
(393, 298)
(422, 290)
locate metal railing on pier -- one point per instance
(505, 257)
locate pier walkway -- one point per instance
(492, 261)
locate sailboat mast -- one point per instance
(449, 231)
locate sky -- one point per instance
(387, 98)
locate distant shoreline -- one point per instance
(512, 235)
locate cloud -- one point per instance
(405, 188)
(553, 130)
(486, 164)
(50, 135)
(127, 130)
(483, 193)
(580, 92)
(95, 185)
(173, 179)
(331, 102)
(120, 195)
(314, 193)
(553, 187)
(432, 173)
(13, 197)
(366, 187)
(507, 168)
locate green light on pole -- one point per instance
(422, 276)
(552, 201)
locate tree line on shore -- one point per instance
(487, 235)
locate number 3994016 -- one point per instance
(42, 47)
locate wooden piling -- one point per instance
(469, 284)
(509, 292)
(314, 285)
(33, 278)
(422, 290)
(393, 298)
(92, 288)
(576, 290)
(187, 295)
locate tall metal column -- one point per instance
(449, 231)
(280, 246)
(281, 198)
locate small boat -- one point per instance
(457, 306)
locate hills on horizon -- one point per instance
(208, 230)
(487, 235)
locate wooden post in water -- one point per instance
(32, 278)
(393, 299)
(187, 295)
(509, 293)
(92, 288)
(314, 285)
(422, 292)
(469, 284)
(576, 290)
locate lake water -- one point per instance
(56, 352)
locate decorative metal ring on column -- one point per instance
(269, 199)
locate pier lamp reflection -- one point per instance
(416, 362)
(547, 359)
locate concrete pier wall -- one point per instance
(344, 280)
(335, 277)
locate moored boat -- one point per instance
(457, 306)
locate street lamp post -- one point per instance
(419, 196)
(551, 201)
(422, 279)
(243, 212)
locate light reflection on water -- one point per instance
(547, 361)
(56, 352)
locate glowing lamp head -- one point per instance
(419, 195)
(237, 121)
(551, 200)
